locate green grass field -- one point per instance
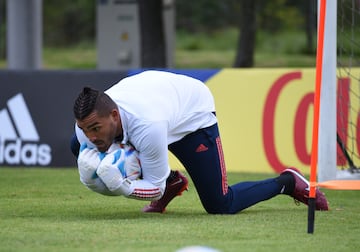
(44, 209)
(200, 50)
(49, 210)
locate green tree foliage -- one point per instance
(68, 22)
(210, 15)
(71, 21)
(2, 29)
(206, 15)
(277, 15)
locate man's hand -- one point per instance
(88, 161)
(109, 172)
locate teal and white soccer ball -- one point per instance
(197, 249)
(132, 165)
(129, 165)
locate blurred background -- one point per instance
(102, 41)
(175, 34)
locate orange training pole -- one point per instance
(314, 154)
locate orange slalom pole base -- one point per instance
(340, 184)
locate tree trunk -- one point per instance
(310, 24)
(153, 50)
(246, 41)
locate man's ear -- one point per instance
(115, 114)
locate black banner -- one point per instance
(36, 117)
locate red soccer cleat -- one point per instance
(173, 189)
(302, 188)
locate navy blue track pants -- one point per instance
(201, 154)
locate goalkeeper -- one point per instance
(157, 111)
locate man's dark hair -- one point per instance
(90, 100)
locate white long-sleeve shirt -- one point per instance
(159, 108)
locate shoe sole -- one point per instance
(182, 189)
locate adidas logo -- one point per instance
(201, 148)
(19, 137)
